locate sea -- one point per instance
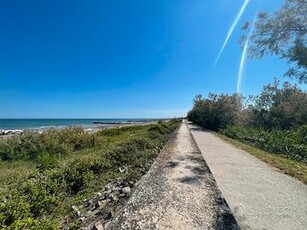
(40, 124)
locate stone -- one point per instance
(98, 226)
(113, 197)
(96, 212)
(126, 189)
(76, 210)
(103, 197)
(99, 194)
(101, 204)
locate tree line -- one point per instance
(278, 106)
(274, 121)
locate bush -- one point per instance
(160, 128)
(77, 138)
(33, 224)
(47, 161)
(13, 207)
(217, 111)
(129, 152)
(29, 145)
(79, 172)
(291, 143)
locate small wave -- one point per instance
(43, 127)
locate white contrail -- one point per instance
(243, 58)
(235, 22)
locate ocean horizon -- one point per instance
(46, 123)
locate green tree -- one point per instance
(283, 33)
(216, 111)
(280, 107)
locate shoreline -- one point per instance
(95, 127)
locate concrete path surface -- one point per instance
(259, 196)
(178, 192)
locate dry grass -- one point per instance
(288, 166)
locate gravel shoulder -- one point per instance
(178, 192)
(260, 196)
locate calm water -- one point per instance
(56, 123)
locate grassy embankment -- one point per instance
(285, 150)
(43, 175)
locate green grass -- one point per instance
(291, 167)
(42, 176)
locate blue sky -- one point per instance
(122, 58)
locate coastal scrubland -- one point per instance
(272, 126)
(44, 175)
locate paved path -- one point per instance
(259, 196)
(178, 192)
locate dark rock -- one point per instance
(110, 215)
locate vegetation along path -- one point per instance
(178, 192)
(259, 196)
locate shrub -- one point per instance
(34, 224)
(129, 152)
(42, 191)
(13, 207)
(29, 145)
(77, 138)
(217, 111)
(34, 200)
(79, 172)
(291, 143)
(47, 161)
(160, 128)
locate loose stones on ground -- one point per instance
(106, 202)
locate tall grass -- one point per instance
(288, 143)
